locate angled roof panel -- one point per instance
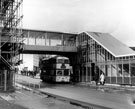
(111, 44)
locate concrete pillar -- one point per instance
(5, 80)
(122, 74)
(129, 72)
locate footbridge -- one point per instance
(48, 42)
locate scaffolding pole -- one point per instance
(10, 39)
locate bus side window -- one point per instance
(66, 72)
(70, 71)
(59, 73)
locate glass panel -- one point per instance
(47, 42)
(69, 40)
(132, 69)
(114, 70)
(32, 37)
(84, 73)
(66, 61)
(119, 74)
(25, 40)
(89, 79)
(126, 70)
(40, 41)
(60, 61)
(66, 72)
(55, 42)
(31, 41)
(59, 73)
(109, 70)
(55, 39)
(102, 68)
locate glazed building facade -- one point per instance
(102, 53)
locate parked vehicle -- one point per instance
(56, 69)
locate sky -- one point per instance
(116, 17)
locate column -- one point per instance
(62, 40)
(122, 74)
(86, 73)
(116, 72)
(49, 40)
(28, 38)
(129, 71)
(5, 80)
(45, 37)
(35, 37)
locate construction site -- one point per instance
(11, 41)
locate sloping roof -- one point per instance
(133, 48)
(111, 44)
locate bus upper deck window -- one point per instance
(60, 61)
(66, 61)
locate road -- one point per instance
(32, 100)
(117, 98)
(25, 99)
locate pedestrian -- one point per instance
(102, 79)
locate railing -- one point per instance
(21, 84)
(28, 84)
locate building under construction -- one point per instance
(10, 41)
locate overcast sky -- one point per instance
(112, 16)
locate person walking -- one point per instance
(102, 79)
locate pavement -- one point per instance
(87, 94)
(5, 104)
(94, 98)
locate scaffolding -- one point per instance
(11, 41)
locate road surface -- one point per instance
(117, 98)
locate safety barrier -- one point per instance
(27, 85)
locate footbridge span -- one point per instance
(48, 42)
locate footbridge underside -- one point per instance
(61, 50)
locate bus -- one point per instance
(56, 69)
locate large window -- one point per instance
(109, 70)
(40, 40)
(60, 60)
(59, 73)
(54, 39)
(126, 70)
(102, 69)
(119, 74)
(114, 70)
(132, 69)
(69, 40)
(66, 72)
(31, 41)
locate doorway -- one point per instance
(92, 71)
